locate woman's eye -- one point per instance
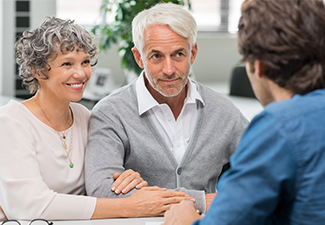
(66, 64)
(86, 61)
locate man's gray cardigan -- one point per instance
(120, 139)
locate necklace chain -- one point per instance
(62, 135)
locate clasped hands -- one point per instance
(158, 201)
(149, 201)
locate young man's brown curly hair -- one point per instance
(290, 42)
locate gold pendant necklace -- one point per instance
(62, 135)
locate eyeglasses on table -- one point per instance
(33, 222)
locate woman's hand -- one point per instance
(126, 181)
(153, 201)
(147, 202)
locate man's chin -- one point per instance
(170, 94)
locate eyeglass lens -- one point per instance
(33, 222)
(10, 222)
(40, 222)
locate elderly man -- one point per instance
(172, 130)
(277, 174)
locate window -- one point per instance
(234, 15)
(211, 15)
(85, 12)
(207, 14)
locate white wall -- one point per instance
(38, 10)
(1, 45)
(217, 55)
(7, 55)
(41, 8)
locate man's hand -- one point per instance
(184, 213)
(126, 181)
(153, 201)
(209, 199)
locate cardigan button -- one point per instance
(179, 171)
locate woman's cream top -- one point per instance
(35, 178)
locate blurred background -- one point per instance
(217, 25)
(217, 63)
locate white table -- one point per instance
(126, 221)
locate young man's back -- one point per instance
(286, 144)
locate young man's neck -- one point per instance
(276, 93)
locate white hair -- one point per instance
(175, 16)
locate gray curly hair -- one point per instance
(37, 47)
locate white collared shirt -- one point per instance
(176, 133)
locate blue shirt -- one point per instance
(277, 174)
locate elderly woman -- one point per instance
(43, 138)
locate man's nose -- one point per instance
(169, 67)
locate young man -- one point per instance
(277, 174)
(175, 132)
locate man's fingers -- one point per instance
(142, 184)
(119, 178)
(127, 181)
(117, 183)
(125, 184)
(116, 175)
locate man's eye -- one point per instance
(156, 56)
(179, 54)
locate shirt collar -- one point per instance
(147, 102)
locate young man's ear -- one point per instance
(137, 57)
(260, 68)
